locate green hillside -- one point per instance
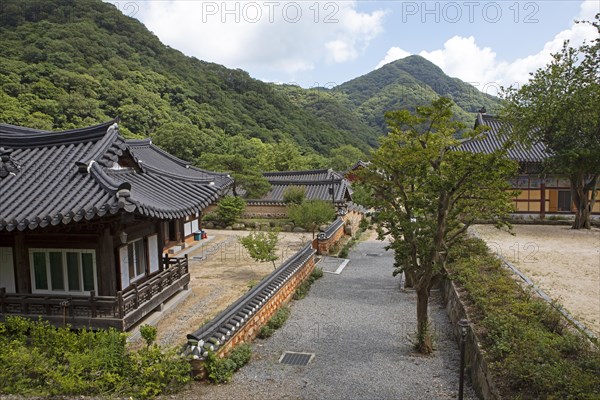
(407, 83)
(66, 64)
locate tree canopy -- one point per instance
(311, 213)
(428, 192)
(261, 246)
(560, 107)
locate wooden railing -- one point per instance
(133, 298)
(100, 311)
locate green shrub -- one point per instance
(41, 360)
(274, 323)
(302, 290)
(363, 225)
(316, 274)
(148, 333)
(229, 209)
(265, 332)
(343, 253)
(219, 370)
(531, 348)
(241, 355)
(279, 318)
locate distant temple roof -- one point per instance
(49, 178)
(317, 183)
(496, 138)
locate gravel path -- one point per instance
(359, 326)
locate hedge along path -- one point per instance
(561, 262)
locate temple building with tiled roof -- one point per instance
(541, 194)
(320, 184)
(85, 217)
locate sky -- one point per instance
(325, 43)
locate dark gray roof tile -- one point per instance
(61, 177)
(497, 137)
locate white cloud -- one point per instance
(463, 58)
(281, 35)
(393, 54)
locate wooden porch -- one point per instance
(100, 312)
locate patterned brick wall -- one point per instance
(258, 320)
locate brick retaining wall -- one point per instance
(476, 365)
(283, 296)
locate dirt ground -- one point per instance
(221, 271)
(563, 262)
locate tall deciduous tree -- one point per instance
(560, 107)
(428, 193)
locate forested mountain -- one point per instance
(74, 63)
(407, 83)
(66, 64)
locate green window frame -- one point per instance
(58, 271)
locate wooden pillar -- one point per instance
(543, 199)
(106, 267)
(23, 273)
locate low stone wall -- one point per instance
(242, 320)
(476, 365)
(327, 239)
(282, 297)
(352, 219)
(265, 211)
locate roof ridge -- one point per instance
(308, 182)
(15, 136)
(297, 172)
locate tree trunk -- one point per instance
(580, 194)
(409, 282)
(424, 342)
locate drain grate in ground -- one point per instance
(293, 358)
(373, 254)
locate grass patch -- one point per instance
(529, 344)
(38, 359)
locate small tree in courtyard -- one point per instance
(261, 246)
(428, 193)
(311, 213)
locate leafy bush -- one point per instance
(241, 355)
(279, 318)
(265, 332)
(311, 213)
(221, 370)
(531, 348)
(229, 209)
(304, 287)
(363, 225)
(148, 333)
(41, 360)
(274, 323)
(294, 195)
